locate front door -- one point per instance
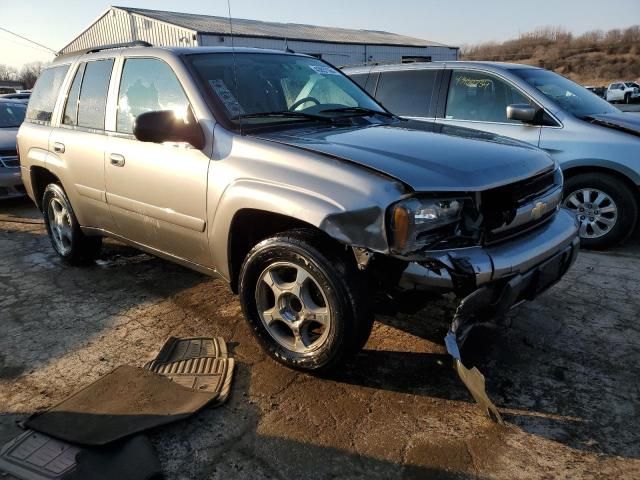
(157, 193)
(479, 100)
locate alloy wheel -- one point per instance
(595, 210)
(293, 308)
(60, 224)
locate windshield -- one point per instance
(11, 114)
(279, 88)
(569, 95)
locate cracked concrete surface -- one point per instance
(565, 376)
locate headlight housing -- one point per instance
(418, 222)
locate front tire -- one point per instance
(305, 300)
(67, 239)
(605, 207)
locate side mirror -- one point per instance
(522, 112)
(165, 126)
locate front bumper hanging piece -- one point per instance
(472, 378)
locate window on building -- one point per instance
(407, 93)
(415, 58)
(148, 85)
(45, 93)
(70, 116)
(93, 94)
(481, 97)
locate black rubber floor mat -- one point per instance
(126, 401)
(35, 456)
(132, 459)
(198, 363)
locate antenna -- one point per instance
(235, 66)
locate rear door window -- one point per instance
(407, 93)
(45, 94)
(148, 85)
(481, 97)
(93, 94)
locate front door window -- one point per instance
(480, 97)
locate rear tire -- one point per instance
(67, 239)
(627, 98)
(305, 300)
(604, 205)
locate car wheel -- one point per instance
(627, 98)
(64, 231)
(305, 300)
(606, 208)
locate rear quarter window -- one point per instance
(45, 93)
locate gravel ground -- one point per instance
(565, 376)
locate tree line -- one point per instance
(594, 56)
(27, 74)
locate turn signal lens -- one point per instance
(400, 226)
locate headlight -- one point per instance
(416, 222)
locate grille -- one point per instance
(9, 159)
(9, 162)
(508, 210)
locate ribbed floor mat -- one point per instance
(35, 456)
(198, 363)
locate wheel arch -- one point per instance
(40, 178)
(250, 211)
(629, 178)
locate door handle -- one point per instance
(58, 147)
(117, 160)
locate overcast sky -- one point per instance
(56, 22)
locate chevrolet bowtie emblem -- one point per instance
(539, 210)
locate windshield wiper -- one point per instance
(286, 114)
(358, 111)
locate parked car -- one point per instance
(295, 187)
(11, 116)
(599, 91)
(596, 145)
(18, 97)
(623, 92)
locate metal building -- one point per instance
(338, 46)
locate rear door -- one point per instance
(479, 100)
(409, 93)
(157, 193)
(79, 142)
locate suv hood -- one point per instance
(625, 122)
(427, 157)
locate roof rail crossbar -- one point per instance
(136, 43)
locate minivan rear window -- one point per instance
(45, 93)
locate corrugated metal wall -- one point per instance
(118, 26)
(336, 53)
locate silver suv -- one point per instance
(597, 146)
(277, 173)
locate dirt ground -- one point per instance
(565, 376)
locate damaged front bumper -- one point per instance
(512, 271)
(491, 280)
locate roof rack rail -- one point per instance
(136, 43)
